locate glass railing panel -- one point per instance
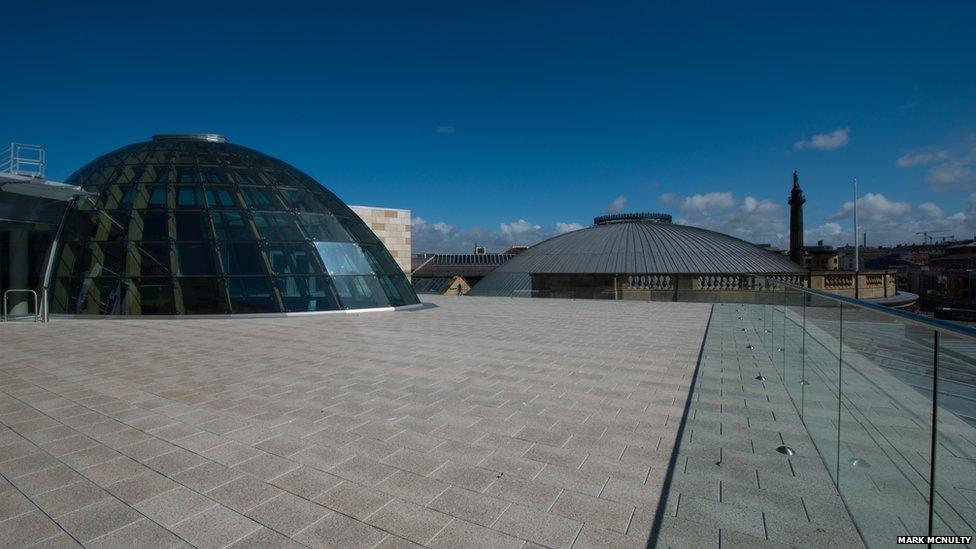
(778, 344)
(954, 502)
(794, 338)
(884, 421)
(822, 376)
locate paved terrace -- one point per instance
(474, 422)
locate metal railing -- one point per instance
(888, 398)
(37, 311)
(24, 159)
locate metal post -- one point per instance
(935, 420)
(803, 358)
(857, 258)
(840, 367)
(51, 254)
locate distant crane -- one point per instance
(927, 235)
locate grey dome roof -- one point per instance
(641, 245)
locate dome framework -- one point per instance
(634, 256)
(189, 224)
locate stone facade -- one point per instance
(392, 226)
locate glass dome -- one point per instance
(191, 224)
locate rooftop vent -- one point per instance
(627, 217)
(211, 137)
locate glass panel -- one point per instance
(149, 296)
(211, 175)
(94, 259)
(221, 197)
(232, 226)
(189, 197)
(406, 291)
(188, 175)
(820, 401)
(793, 349)
(260, 198)
(241, 259)
(324, 228)
(148, 259)
(192, 226)
(197, 258)
(112, 197)
(251, 295)
(954, 507)
(393, 294)
(316, 202)
(357, 292)
(341, 258)
(294, 259)
(359, 231)
(203, 296)
(307, 293)
(149, 226)
(158, 196)
(277, 226)
(97, 225)
(380, 260)
(101, 296)
(885, 422)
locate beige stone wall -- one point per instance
(393, 228)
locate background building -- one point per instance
(455, 274)
(392, 226)
(634, 256)
(820, 257)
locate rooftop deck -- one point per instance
(473, 422)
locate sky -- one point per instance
(510, 122)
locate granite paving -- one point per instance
(471, 422)
(729, 486)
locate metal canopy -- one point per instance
(38, 188)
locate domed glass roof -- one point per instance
(191, 224)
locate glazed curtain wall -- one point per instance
(210, 228)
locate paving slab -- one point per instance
(460, 423)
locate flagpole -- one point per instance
(857, 257)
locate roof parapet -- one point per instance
(625, 217)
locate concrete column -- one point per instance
(19, 269)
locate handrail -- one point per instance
(933, 323)
(22, 290)
(26, 155)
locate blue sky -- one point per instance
(507, 122)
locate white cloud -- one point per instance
(617, 205)
(949, 169)
(441, 237)
(930, 210)
(958, 172)
(563, 227)
(922, 158)
(828, 232)
(871, 206)
(445, 130)
(707, 203)
(752, 219)
(762, 207)
(826, 141)
(831, 228)
(518, 228)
